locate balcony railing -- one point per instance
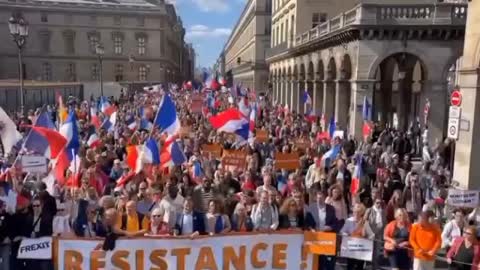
(451, 13)
(280, 48)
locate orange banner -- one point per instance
(214, 149)
(234, 158)
(321, 243)
(288, 161)
(261, 135)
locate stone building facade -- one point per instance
(244, 52)
(395, 54)
(143, 41)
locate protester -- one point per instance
(464, 253)
(158, 227)
(291, 215)
(396, 236)
(189, 222)
(264, 215)
(425, 239)
(454, 228)
(241, 221)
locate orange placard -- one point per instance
(302, 143)
(288, 161)
(261, 135)
(214, 149)
(234, 158)
(197, 104)
(321, 243)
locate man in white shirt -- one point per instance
(172, 204)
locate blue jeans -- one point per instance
(5, 256)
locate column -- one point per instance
(295, 95)
(467, 149)
(318, 98)
(288, 94)
(275, 90)
(435, 92)
(342, 103)
(386, 109)
(282, 91)
(359, 89)
(328, 101)
(310, 91)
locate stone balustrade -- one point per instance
(451, 13)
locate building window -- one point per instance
(71, 72)
(119, 73)
(142, 73)
(45, 41)
(141, 21)
(47, 72)
(318, 18)
(44, 17)
(93, 40)
(69, 38)
(141, 45)
(95, 72)
(117, 20)
(118, 44)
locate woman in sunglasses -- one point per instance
(158, 227)
(465, 251)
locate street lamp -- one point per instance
(18, 27)
(100, 51)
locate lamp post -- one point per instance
(100, 51)
(18, 27)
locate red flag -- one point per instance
(366, 130)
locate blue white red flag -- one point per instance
(167, 119)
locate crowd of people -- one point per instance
(402, 207)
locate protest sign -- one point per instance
(339, 133)
(356, 248)
(261, 135)
(197, 104)
(34, 164)
(321, 243)
(302, 143)
(35, 248)
(234, 159)
(214, 149)
(251, 251)
(462, 198)
(288, 161)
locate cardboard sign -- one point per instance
(197, 104)
(356, 248)
(34, 164)
(261, 135)
(302, 143)
(35, 248)
(321, 243)
(185, 131)
(462, 198)
(234, 158)
(339, 133)
(214, 149)
(288, 161)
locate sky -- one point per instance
(208, 25)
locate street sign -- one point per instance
(454, 112)
(456, 98)
(453, 126)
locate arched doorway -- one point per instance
(398, 95)
(310, 82)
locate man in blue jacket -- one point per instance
(189, 222)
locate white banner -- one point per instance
(35, 248)
(356, 248)
(34, 164)
(257, 251)
(462, 198)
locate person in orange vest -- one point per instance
(426, 240)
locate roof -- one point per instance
(146, 4)
(102, 2)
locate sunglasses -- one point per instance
(157, 216)
(36, 205)
(467, 233)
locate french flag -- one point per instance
(167, 119)
(94, 120)
(332, 127)
(229, 121)
(253, 115)
(36, 142)
(243, 106)
(172, 154)
(151, 152)
(357, 175)
(56, 142)
(109, 122)
(69, 130)
(106, 107)
(306, 98)
(131, 122)
(367, 118)
(310, 116)
(134, 158)
(331, 154)
(93, 140)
